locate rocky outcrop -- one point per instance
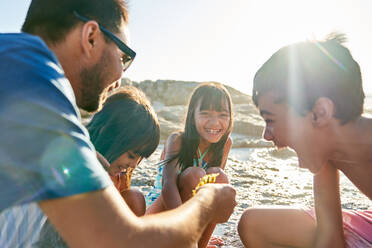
(172, 92)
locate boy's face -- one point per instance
(286, 128)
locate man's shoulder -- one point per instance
(23, 54)
(29, 70)
(16, 40)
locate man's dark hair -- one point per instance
(303, 72)
(53, 19)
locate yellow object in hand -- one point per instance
(209, 178)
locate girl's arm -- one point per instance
(226, 151)
(329, 230)
(170, 194)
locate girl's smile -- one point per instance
(213, 131)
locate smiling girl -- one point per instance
(202, 148)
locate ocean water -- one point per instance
(263, 176)
(368, 103)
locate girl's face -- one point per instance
(211, 124)
(125, 161)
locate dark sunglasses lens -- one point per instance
(127, 61)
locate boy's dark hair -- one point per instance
(211, 95)
(303, 72)
(127, 121)
(53, 19)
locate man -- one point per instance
(311, 97)
(46, 158)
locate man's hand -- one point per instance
(223, 200)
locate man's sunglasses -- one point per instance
(129, 54)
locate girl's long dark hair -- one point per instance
(127, 121)
(212, 97)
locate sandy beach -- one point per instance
(261, 176)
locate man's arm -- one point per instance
(329, 230)
(102, 219)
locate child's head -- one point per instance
(126, 129)
(302, 90)
(209, 118)
(209, 112)
(301, 73)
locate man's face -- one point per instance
(102, 77)
(286, 128)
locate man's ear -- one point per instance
(90, 35)
(323, 111)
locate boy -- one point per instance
(311, 97)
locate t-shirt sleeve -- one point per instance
(45, 151)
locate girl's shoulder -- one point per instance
(175, 137)
(174, 141)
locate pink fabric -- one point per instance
(357, 227)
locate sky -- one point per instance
(226, 41)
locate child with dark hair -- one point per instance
(125, 131)
(202, 148)
(311, 97)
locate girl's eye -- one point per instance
(224, 115)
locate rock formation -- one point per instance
(169, 98)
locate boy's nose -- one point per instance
(268, 135)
